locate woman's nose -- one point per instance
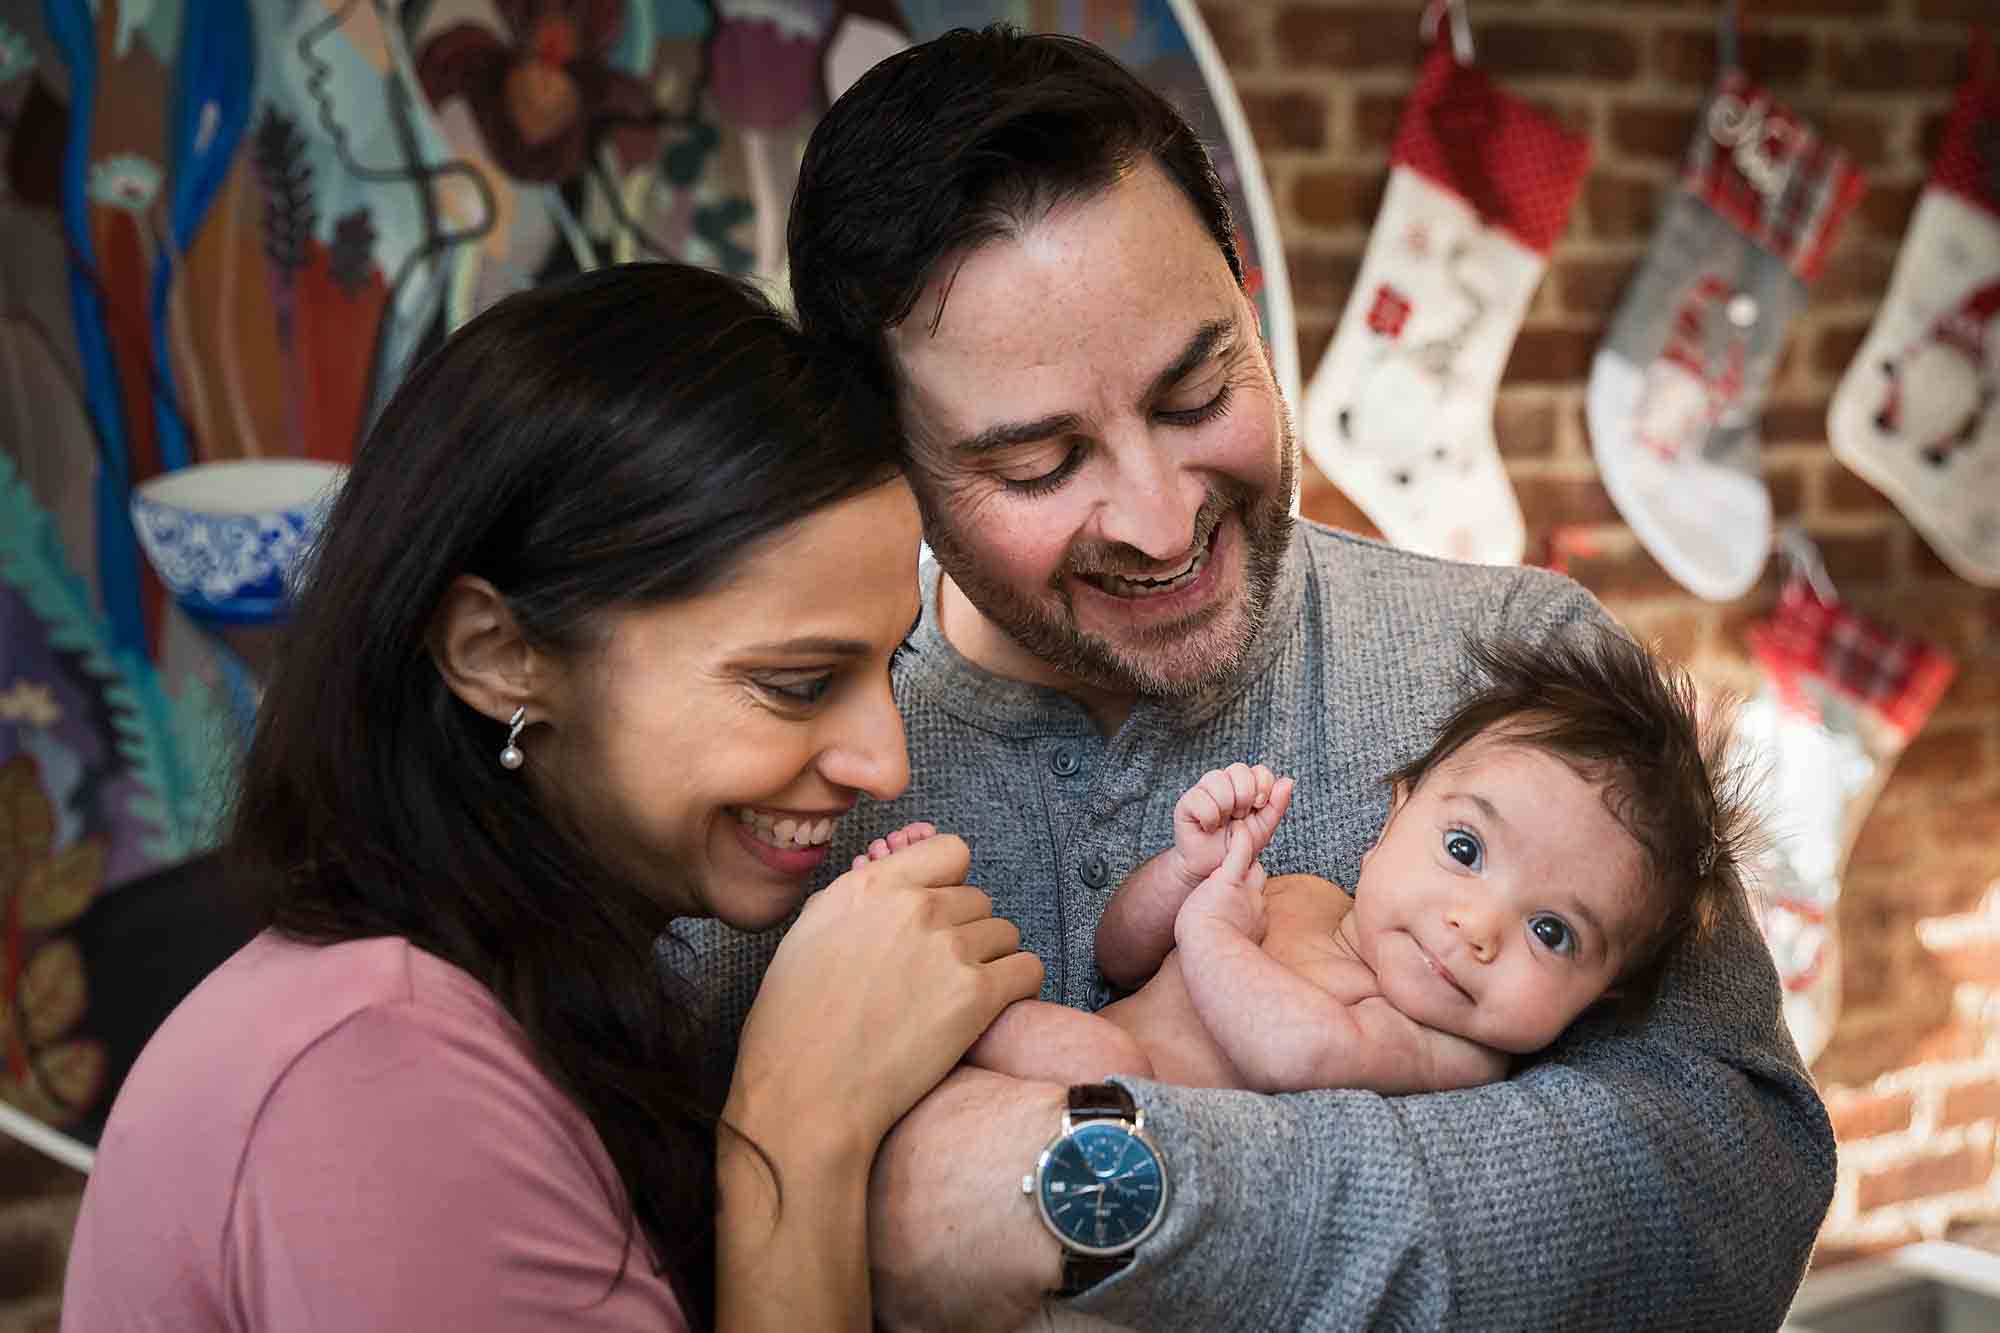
(870, 753)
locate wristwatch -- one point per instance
(1100, 1185)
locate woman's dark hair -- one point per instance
(950, 144)
(1602, 704)
(619, 439)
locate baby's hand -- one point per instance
(1254, 797)
(907, 836)
(1234, 893)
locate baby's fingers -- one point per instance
(1263, 823)
(1242, 789)
(1241, 854)
(1206, 804)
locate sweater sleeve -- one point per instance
(413, 1169)
(1672, 1176)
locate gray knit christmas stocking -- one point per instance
(1676, 389)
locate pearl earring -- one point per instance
(511, 757)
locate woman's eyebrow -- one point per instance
(811, 645)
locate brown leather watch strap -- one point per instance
(1095, 1101)
(1100, 1101)
(1081, 1272)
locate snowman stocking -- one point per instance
(1843, 694)
(1676, 389)
(1916, 412)
(1399, 414)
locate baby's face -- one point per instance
(1501, 899)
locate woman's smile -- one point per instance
(790, 842)
(788, 830)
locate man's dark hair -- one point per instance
(948, 145)
(1617, 716)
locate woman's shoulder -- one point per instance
(278, 1004)
(365, 1100)
(208, 1071)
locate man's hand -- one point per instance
(953, 1242)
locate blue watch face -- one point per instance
(1102, 1188)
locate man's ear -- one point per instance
(480, 652)
(1250, 290)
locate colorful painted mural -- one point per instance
(227, 229)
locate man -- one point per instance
(1032, 252)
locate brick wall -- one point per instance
(1913, 1072)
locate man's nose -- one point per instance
(1153, 507)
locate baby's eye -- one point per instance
(1554, 933)
(1463, 848)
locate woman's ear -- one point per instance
(480, 652)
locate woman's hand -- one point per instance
(886, 978)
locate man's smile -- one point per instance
(1126, 585)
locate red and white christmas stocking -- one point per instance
(1677, 387)
(1843, 695)
(1399, 414)
(1918, 412)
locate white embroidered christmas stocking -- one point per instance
(1843, 696)
(1676, 389)
(1915, 413)
(1399, 414)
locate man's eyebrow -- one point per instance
(1213, 337)
(1011, 433)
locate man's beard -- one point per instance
(1178, 660)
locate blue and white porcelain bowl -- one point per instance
(227, 538)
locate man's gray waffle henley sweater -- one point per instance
(1669, 1177)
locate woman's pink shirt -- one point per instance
(351, 1137)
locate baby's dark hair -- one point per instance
(1618, 716)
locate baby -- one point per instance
(1568, 829)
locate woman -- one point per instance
(597, 636)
